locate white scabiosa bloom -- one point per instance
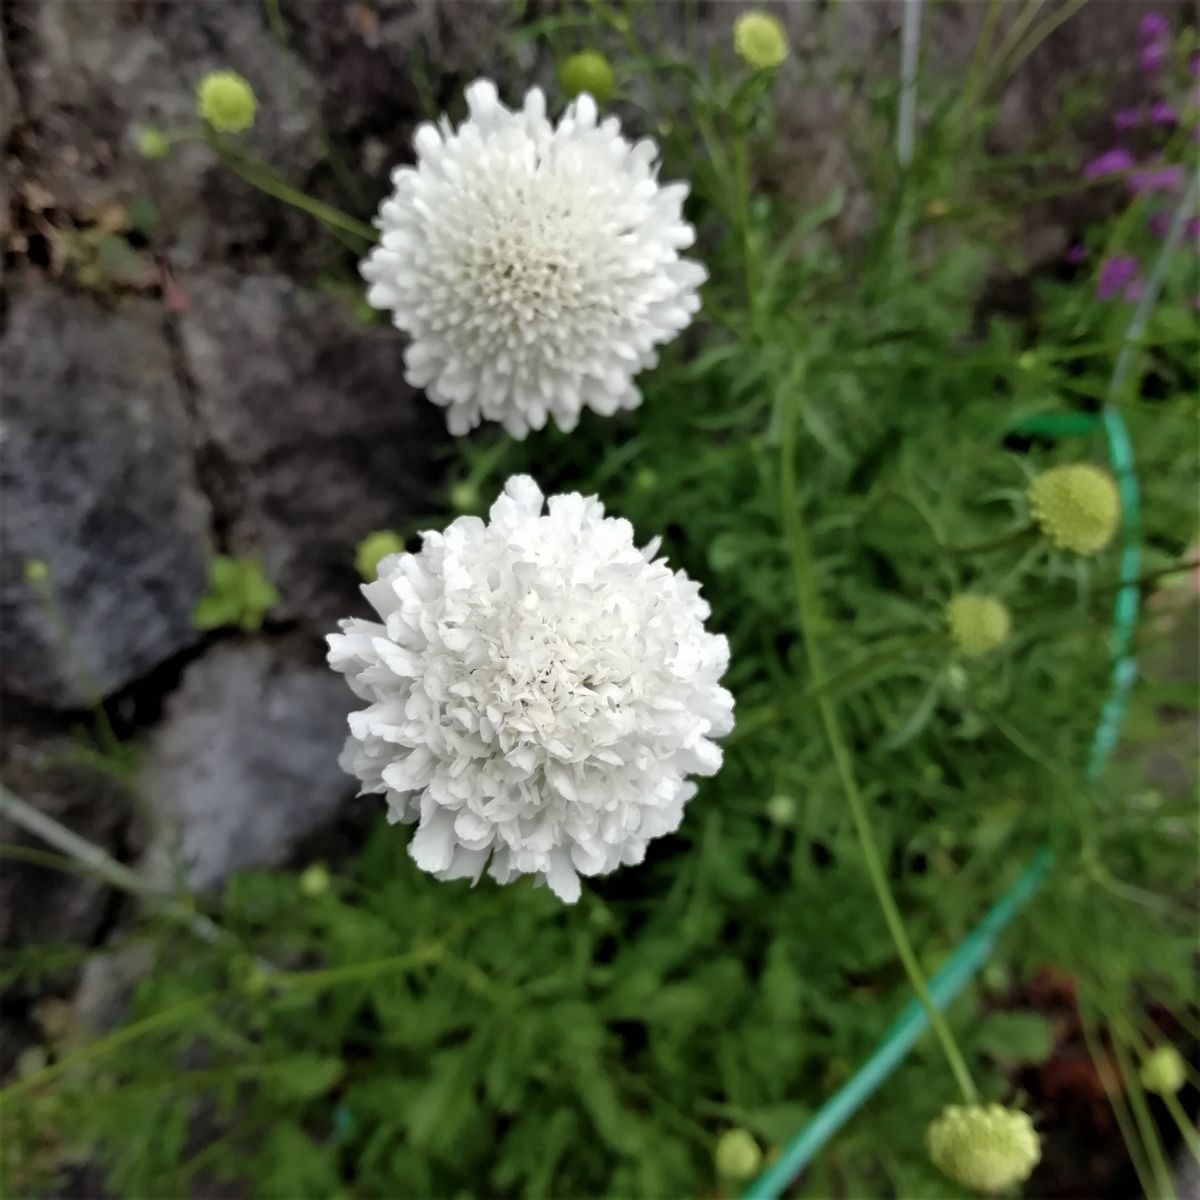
(539, 691)
(535, 266)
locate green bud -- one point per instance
(153, 143)
(1076, 506)
(781, 810)
(646, 480)
(737, 1155)
(37, 571)
(464, 497)
(588, 71)
(987, 1148)
(314, 880)
(978, 624)
(1163, 1071)
(760, 40)
(226, 101)
(374, 548)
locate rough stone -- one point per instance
(97, 476)
(322, 439)
(245, 761)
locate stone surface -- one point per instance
(245, 761)
(92, 74)
(97, 477)
(321, 439)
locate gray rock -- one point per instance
(321, 439)
(97, 476)
(93, 74)
(245, 762)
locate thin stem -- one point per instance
(97, 862)
(810, 619)
(1013, 538)
(259, 175)
(909, 52)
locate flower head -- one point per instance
(1127, 118)
(588, 71)
(226, 101)
(1163, 1071)
(1152, 27)
(759, 39)
(1115, 273)
(978, 624)
(1152, 56)
(1162, 113)
(535, 267)
(737, 1155)
(539, 691)
(987, 1148)
(1108, 163)
(1076, 506)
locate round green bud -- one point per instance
(314, 880)
(978, 624)
(737, 1155)
(781, 810)
(1076, 506)
(37, 571)
(987, 1148)
(152, 143)
(226, 101)
(464, 497)
(646, 480)
(588, 71)
(760, 39)
(1163, 1071)
(373, 548)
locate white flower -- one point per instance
(539, 692)
(535, 266)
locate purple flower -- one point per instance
(1159, 223)
(1075, 254)
(1152, 56)
(1108, 163)
(1194, 65)
(1192, 228)
(1152, 26)
(1115, 273)
(1163, 114)
(1160, 179)
(1127, 118)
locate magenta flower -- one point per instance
(1163, 114)
(1152, 56)
(1108, 163)
(1194, 65)
(1075, 254)
(1115, 273)
(1192, 229)
(1152, 179)
(1153, 26)
(1127, 118)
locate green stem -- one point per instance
(1014, 537)
(259, 175)
(810, 618)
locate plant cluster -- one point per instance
(909, 521)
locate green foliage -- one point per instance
(238, 594)
(385, 1034)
